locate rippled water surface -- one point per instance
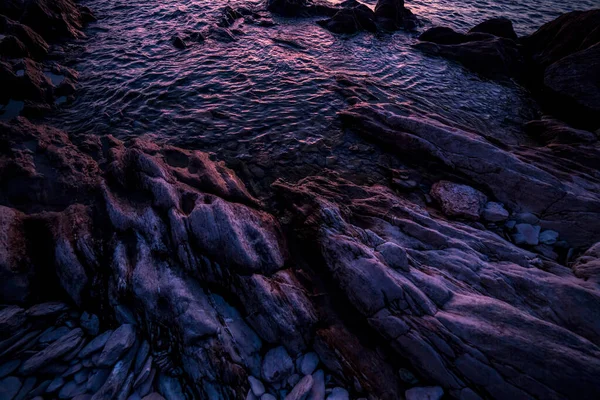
(275, 91)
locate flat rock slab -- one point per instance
(118, 343)
(62, 346)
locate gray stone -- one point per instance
(95, 344)
(71, 389)
(90, 323)
(153, 396)
(277, 365)
(119, 342)
(311, 360)
(97, 379)
(301, 390)
(117, 377)
(494, 212)
(256, 386)
(57, 349)
(54, 334)
(268, 396)
(46, 309)
(458, 200)
(548, 237)
(170, 387)
(27, 386)
(56, 384)
(526, 218)
(9, 387)
(81, 376)
(8, 367)
(141, 356)
(425, 393)
(293, 380)
(338, 393)
(526, 234)
(11, 318)
(317, 392)
(394, 256)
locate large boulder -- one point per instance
(568, 34)
(575, 81)
(302, 8)
(488, 55)
(392, 15)
(351, 20)
(500, 27)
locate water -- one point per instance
(261, 100)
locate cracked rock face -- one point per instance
(501, 328)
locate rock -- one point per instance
(317, 391)
(548, 237)
(71, 389)
(394, 256)
(97, 379)
(153, 396)
(301, 8)
(568, 34)
(458, 200)
(425, 393)
(552, 131)
(501, 27)
(443, 35)
(178, 42)
(489, 56)
(118, 375)
(587, 266)
(119, 342)
(95, 344)
(351, 20)
(392, 15)
(576, 84)
(11, 47)
(170, 387)
(268, 396)
(301, 390)
(9, 387)
(228, 17)
(277, 365)
(11, 318)
(308, 362)
(54, 351)
(526, 234)
(46, 309)
(494, 212)
(8, 367)
(90, 324)
(338, 393)
(56, 384)
(256, 386)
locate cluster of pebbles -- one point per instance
(52, 351)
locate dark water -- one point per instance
(261, 98)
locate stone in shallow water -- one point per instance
(458, 200)
(425, 393)
(527, 234)
(277, 365)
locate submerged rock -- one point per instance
(500, 27)
(351, 20)
(392, 15)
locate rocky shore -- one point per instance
(130, 270)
